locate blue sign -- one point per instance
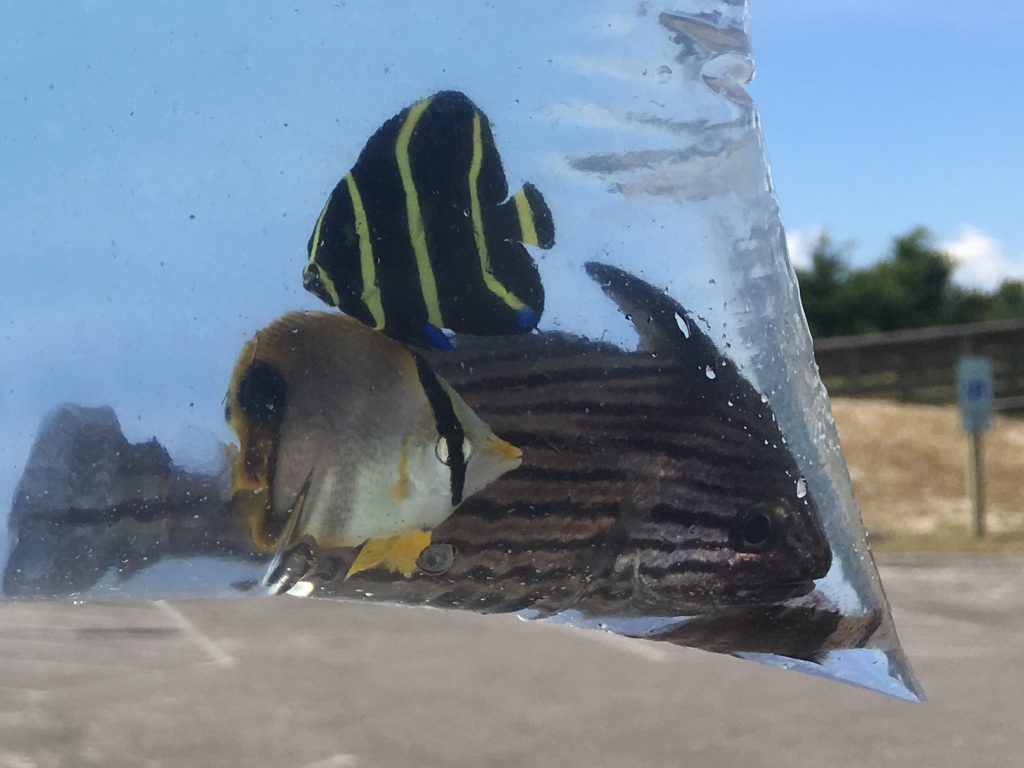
(974, 384)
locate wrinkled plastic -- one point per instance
(680, 476)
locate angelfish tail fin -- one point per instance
(530, 218)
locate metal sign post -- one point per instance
(974, 382)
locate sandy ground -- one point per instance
(909, 469)
(302, 684)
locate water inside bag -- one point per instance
(315, 304)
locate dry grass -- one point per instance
(909, 470)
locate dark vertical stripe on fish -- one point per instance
(448, 426)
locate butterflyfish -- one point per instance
(349, 439)
(421, 234)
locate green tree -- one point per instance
(1007, 301)
(912, 287)
(822, 286)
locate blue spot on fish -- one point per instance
(437, 338)
(526, 319)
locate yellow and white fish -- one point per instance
(347, 438)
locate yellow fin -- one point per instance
(506, 450)
(395, 553)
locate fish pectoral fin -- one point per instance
(288, 533)
(529, 218)
(397, 554)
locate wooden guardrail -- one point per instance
(919, 365)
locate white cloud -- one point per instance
(800, 243)
(981, 261)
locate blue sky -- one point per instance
(880, 115)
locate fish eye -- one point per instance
(435, 559)
(441, 451)
(756, 530)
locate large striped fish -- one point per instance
(421, 235)
(646, 488)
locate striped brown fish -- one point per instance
(646, 488)
(421, 235)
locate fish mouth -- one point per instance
(312, 283)
(775, 593)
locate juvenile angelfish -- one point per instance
(421, 235)
(347, 438)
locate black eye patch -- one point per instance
(262, 393)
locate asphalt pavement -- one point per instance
(314, 684)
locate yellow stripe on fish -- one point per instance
(371, 291)
(492, 283)
(526, 224)
(328, 283)
(417, 234)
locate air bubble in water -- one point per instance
(801, 488)
(664, 73)
(683, 326)
(710, 372)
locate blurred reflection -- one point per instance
(90, 502)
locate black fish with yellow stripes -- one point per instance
(421, 235)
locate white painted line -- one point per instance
(645, 649)
(213, 649)
(336, 761)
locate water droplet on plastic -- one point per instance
(764, 398)
(681, 322)
(664, 73)
(710, 372)
(801, 488)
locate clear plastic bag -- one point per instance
(627, 432)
